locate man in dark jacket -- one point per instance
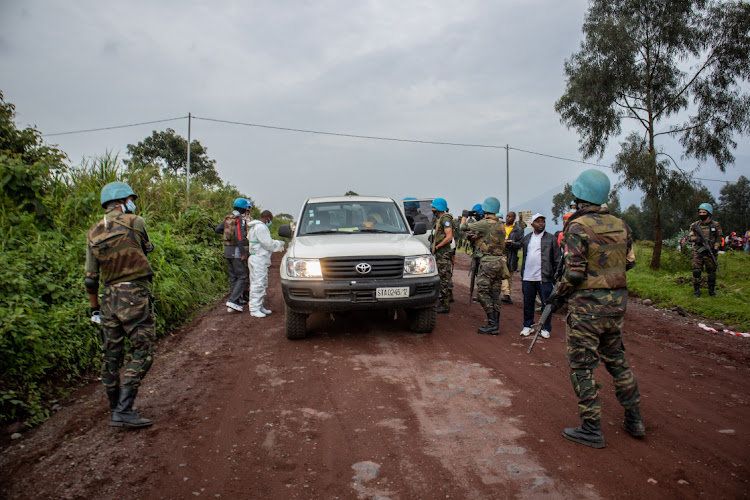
(513, 237)
(236, 245)
(541, 255)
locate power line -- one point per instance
(355, 136)
(373, 137)
(561, 158)
(416, 141)
(115, 127)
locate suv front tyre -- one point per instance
(422, 320)
(296, 325)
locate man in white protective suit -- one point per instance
(261, 248)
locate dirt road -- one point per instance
(363, 409)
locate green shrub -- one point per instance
(47, 341)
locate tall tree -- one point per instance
(633, 64)
(561, 202)
(169, 151)
(734, 206)
(26, 165)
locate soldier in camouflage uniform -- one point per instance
(702, 232)
(490, 239)
(598, 251)
(442, 235)
(116, 252)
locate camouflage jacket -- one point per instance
(116, 249)
(438, 232)
(598, 249)
(490, 233)
(710, 232)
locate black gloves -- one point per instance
(555, 302)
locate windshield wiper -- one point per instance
(329, 231)
(373, 230)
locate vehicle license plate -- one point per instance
(392, 293)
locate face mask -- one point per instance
(268, 224)
(704, 217)
(434, 213)
(129, 207)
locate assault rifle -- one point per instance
(473, 274)
(537, 328)
(704, 245)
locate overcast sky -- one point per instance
(479, 72)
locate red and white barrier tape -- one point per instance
(730, 332)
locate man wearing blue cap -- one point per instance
(490, 238)
(234, 231)
(598, 252)
(442, 236)
(705, 235)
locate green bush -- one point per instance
(47, 341)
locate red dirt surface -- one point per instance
(365, 409)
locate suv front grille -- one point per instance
(345, 268)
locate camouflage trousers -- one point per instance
(699, 260)
(489, 284)
(127, 310)
(444, 261)
(590, 338)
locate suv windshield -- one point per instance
(352, 217)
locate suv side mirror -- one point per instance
(285, 231)
(420, 228)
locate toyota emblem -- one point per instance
(363, 268)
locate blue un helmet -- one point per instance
(249, 203)
(411, 204)
(116, 191)
(439, 204)
(591, 186)
(478, 209)
(491, 205)
(240, 203)
(707, 207)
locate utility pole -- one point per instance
(190, 116)
(507, 178)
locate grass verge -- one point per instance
(672, 285)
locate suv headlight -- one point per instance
(303, 268)
(419, 264)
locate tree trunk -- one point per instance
(656, 257)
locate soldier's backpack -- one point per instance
(232, 231)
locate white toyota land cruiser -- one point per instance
(357, 252)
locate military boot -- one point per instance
(697, 287)
(444, 308)
(712, 289)
(113, 394)
(124, 415)
(633, 423)
(589, 433)
(492, 327)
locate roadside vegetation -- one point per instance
(672, 285)
(47, 341)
